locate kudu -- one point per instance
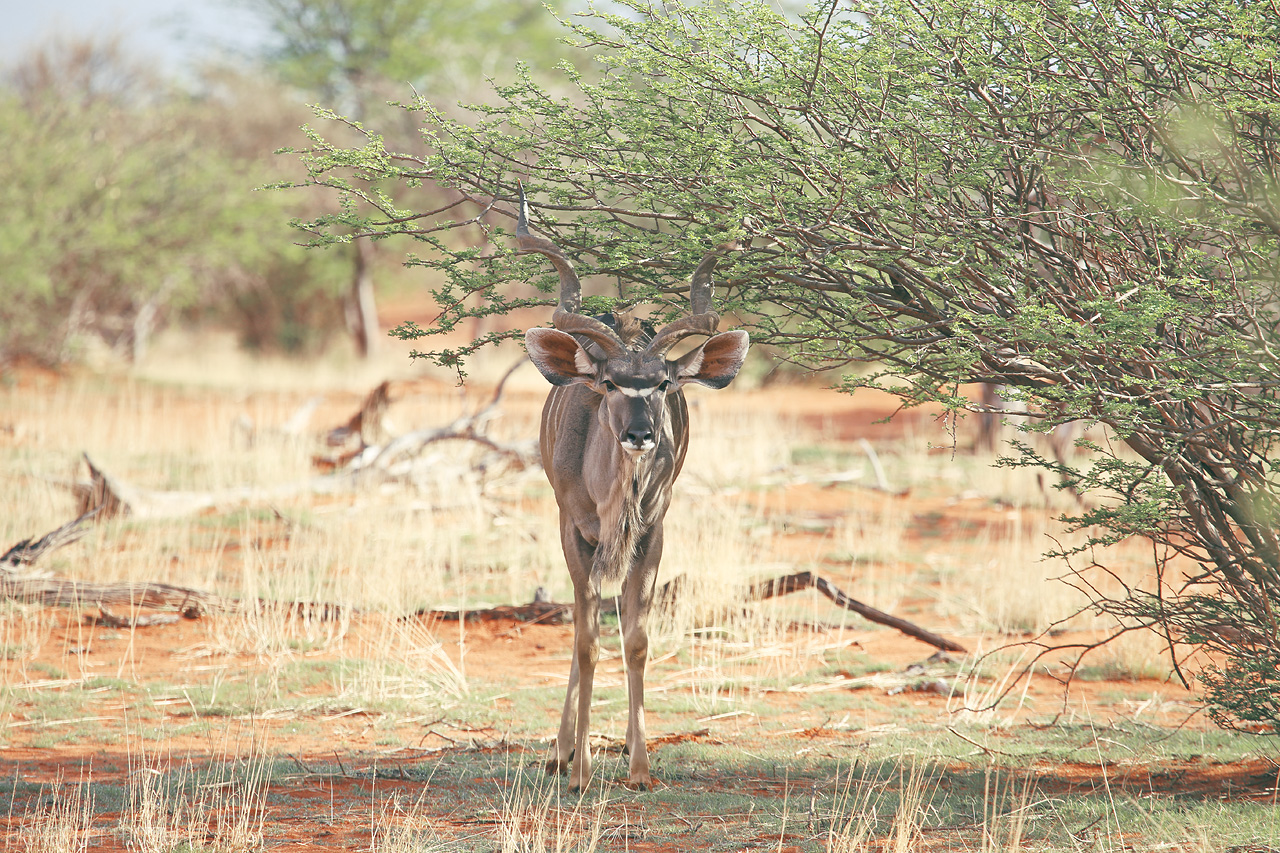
(614, 434)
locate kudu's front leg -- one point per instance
(578, 554)
(637, 598)
(562, 749)
(586, 652)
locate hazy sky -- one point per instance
(173, 31)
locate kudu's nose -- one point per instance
(640, 438)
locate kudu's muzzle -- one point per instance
(639, 433)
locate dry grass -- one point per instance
(1013, 589)
(65, 825)
(397, 829)
(863, 810)
(171, 804)
(1134, 656)
(452, 538)
(478, 542)
(534, 819)
(193, 810)
(404, 663)
(455, 539)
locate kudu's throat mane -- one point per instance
(622, 521)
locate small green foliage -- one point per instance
(1244, 692)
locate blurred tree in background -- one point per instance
(122, 209)
(128, 200)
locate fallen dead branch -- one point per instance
(809, 580)
(466, 428)
(373, 450)
(60, 592)
(549, 612)
(25, 553)
(470, 427)
(882, 482)
(536, 612)
(188, 602)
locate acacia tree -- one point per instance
(1077, 199)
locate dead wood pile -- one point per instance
(366, 446)
(358, 463)
(191, 603)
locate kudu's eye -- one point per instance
(609, 386)
(664, 386)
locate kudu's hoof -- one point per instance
(644, 783)
(556, 767)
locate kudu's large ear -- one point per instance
(559, 357)
(716, 362)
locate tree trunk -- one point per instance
(362, 309)
(144, 323)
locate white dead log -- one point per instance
(152, 595)
(61, 592)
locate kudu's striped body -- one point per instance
(614, 435)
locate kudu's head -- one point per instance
(633, 376)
